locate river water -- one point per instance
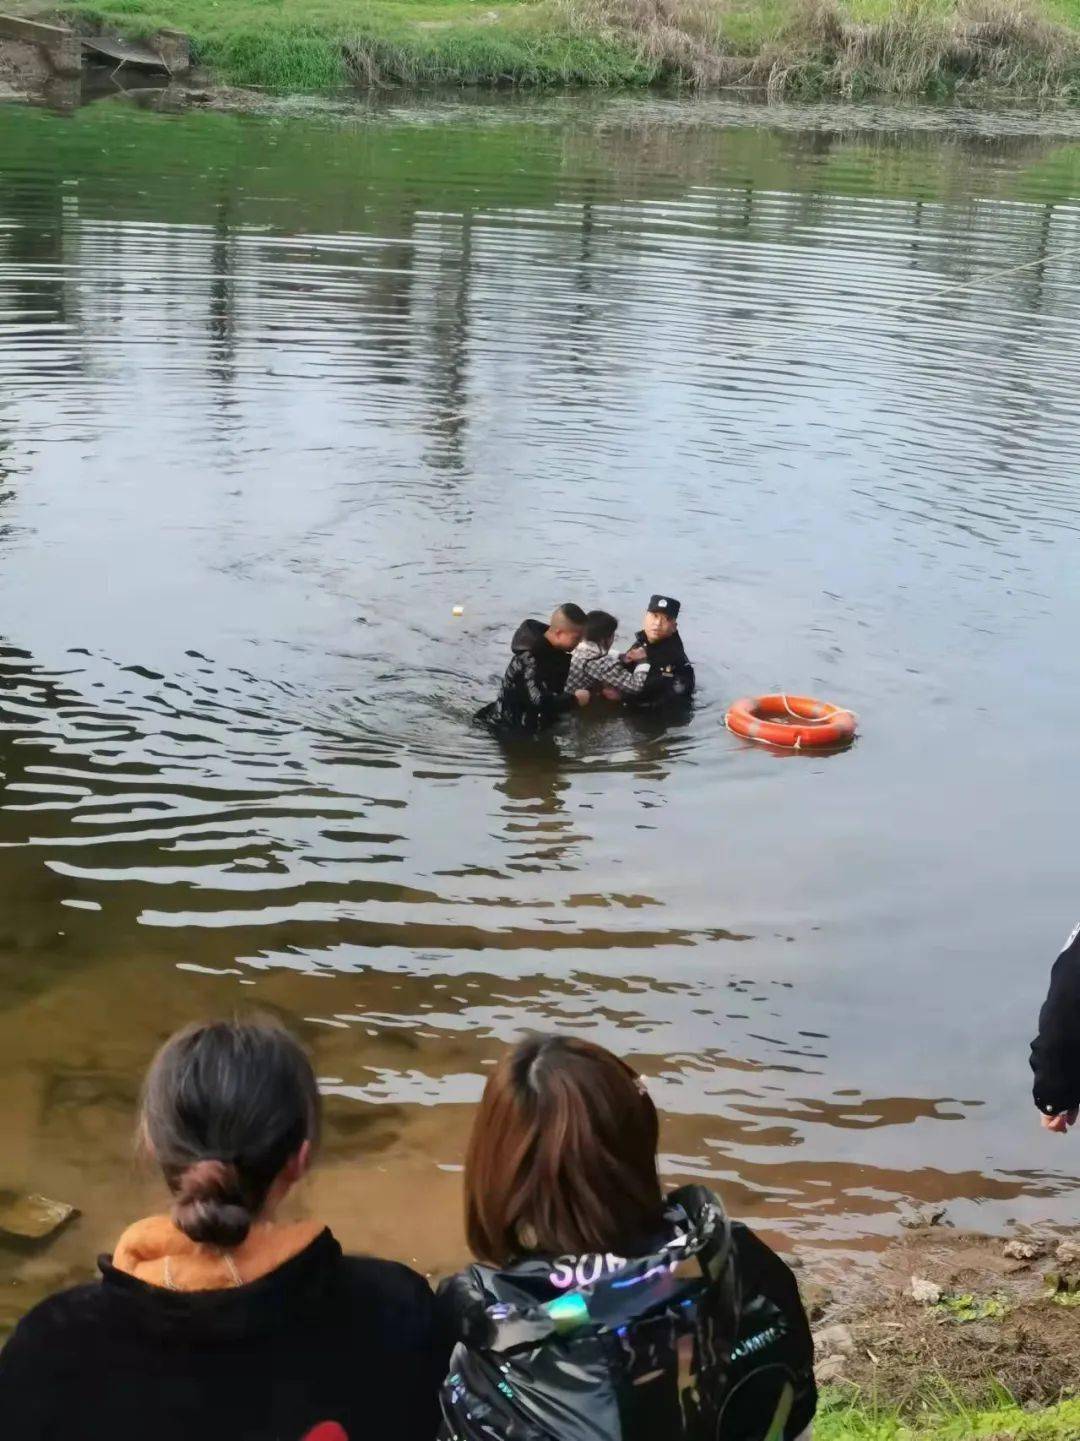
(277, 393)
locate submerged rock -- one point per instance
(32, 1217)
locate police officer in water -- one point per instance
(658, 646)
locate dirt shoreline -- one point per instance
(945, 1319)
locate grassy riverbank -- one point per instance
(840, 1419)
(790, 48)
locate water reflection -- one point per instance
(276, 398)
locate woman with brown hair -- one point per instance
(219, 1321)
(599, 1308)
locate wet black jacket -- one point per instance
(671, 675)
(532, 695)
(1055, 1051)
(704, 1339)
(322, 1338)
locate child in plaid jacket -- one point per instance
(594, 668)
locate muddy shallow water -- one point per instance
(277, 394)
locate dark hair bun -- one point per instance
(210, 1206)
(225, 1107)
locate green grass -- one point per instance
(800, 48)
(859, 1419)
(1067, 11)
(311, 45)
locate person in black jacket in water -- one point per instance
(1055, 1051)
(218, 1322)
(658, 645)
(598, 1306)
(533, 693)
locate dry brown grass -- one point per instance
(679, 40)
(991, 45)
(902, 1351)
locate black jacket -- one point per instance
(322, 1338)
(532, 696)
(705, 1338)
(1055, 1051)
(671, 675)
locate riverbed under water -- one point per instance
(276, 394)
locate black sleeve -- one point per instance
(1055, 1051)
(397, 1302)
(460, 1312)
(441, 1345)
(639, 639)
(513, 674)
(768, 1286)
(533, 688)
(547, 702)
(30, 1383)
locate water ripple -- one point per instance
(275, 398)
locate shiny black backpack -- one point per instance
(661, 1348)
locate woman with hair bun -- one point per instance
(218, 1320)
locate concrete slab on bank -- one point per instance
(58, 46)
(169, 51)
(26, 46)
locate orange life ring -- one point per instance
(758, 718)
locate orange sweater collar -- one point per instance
(157, 1252)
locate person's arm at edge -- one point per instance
(1055, 1051)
